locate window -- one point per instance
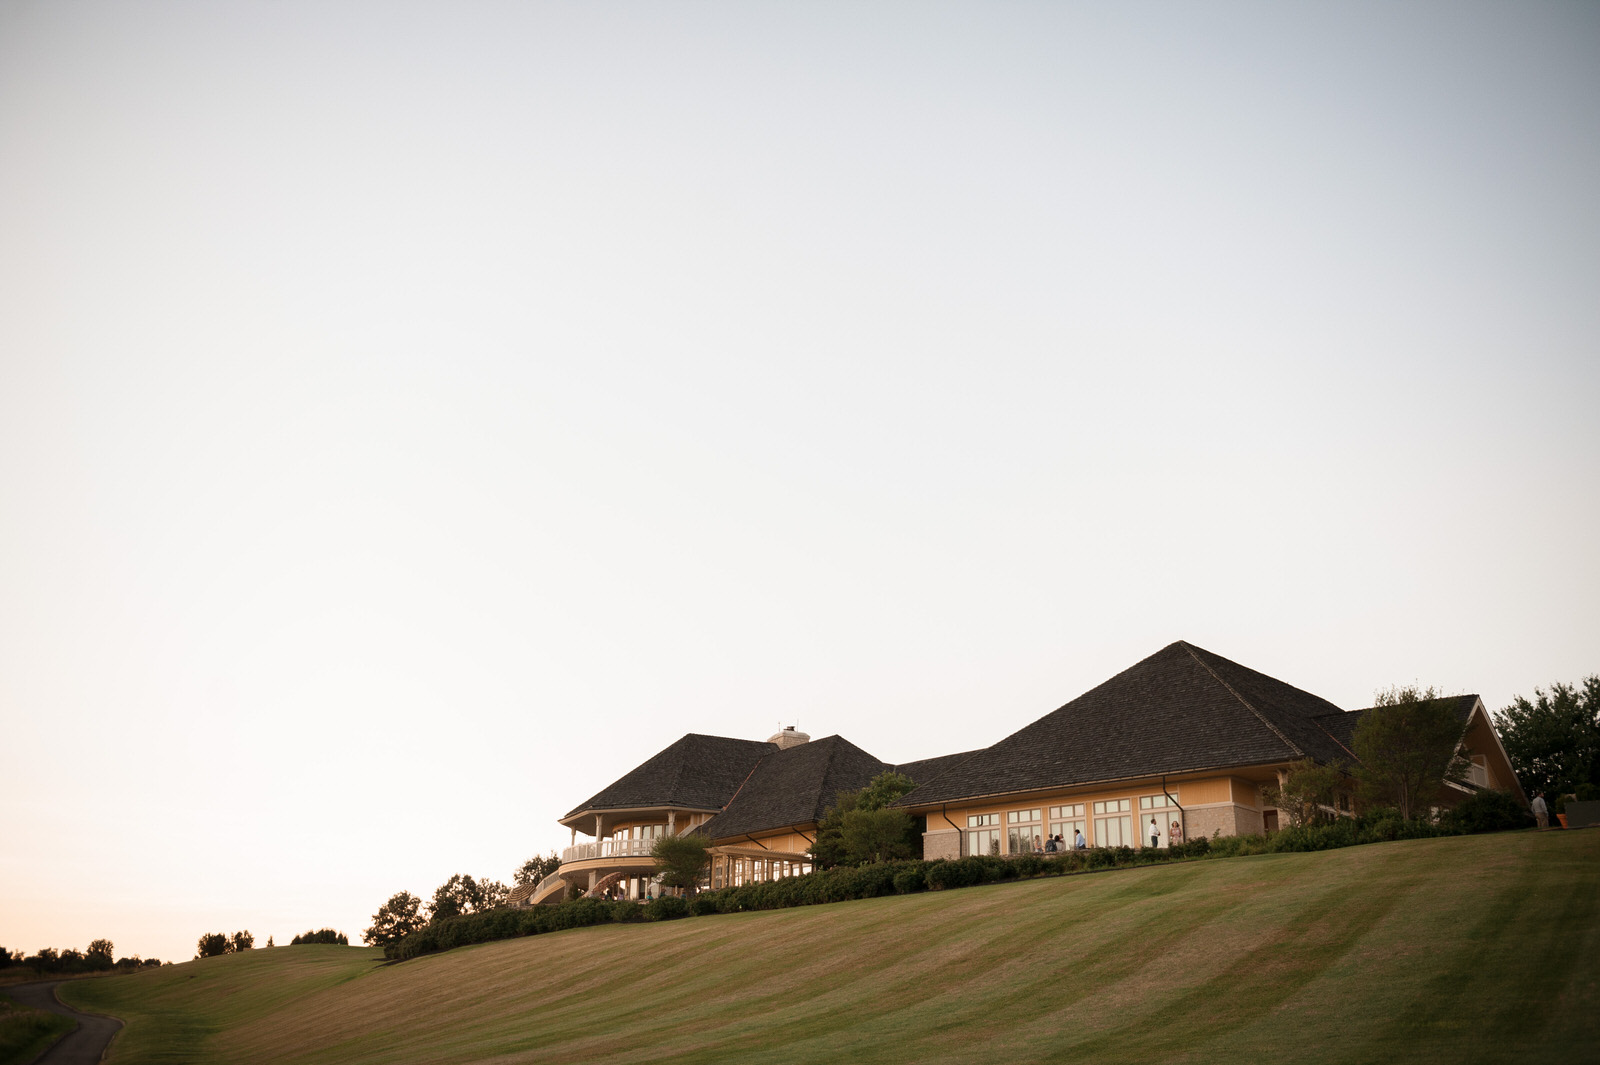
(1066, 820)
(1113, 831)
(981, 837)
(1023, 834)
(1164, 808)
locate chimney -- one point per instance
(789, 737)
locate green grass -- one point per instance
(24, 1033)
(1465, 949)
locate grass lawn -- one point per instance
(1465, 949)
(24, 1033)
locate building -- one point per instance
(1180, 744)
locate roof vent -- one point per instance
(789, 737)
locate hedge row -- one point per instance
(1483, 812)
(506, 923)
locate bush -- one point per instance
(666, 908)
(1487, 811)
(703, 905)
(910, 881)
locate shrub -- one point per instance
(1487, 811)
(910, 881)
(703, 905)
(666, 908)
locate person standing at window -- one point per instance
(1078, 842)
(1155, 833)
(1174, 835)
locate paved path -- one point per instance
(86, 1045)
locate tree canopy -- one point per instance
(1309, 792)
(680, 859)
(536, 868)
(1553, 741)
(462, 894)
(395, 919)
(859, 827)
(1409, 744)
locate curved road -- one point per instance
(84, 1046)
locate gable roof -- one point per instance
(696, 773)
(1182, 709)
(795, 786)
(1342, 726)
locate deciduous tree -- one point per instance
(536, 869)
(1409, 744)
(1554, 740)
(680, 860)
(241, 941)
(395, 919)
(211, 945)
(101, 954)
(1308, 793)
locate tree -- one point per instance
(211, 945)
(1308, 793)
(1409, 744)
(270, 943)
(1554, 741)
(859, 827)
(680, 859)
(241, 941)
(462, 894)
(879, 836)
(395, 919)
(536, 869)
(321, 935)
(101, 954)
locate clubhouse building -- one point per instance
(1181, 744)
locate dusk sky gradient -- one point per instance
(413, 416)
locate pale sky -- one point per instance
(412, 417)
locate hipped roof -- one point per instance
(1182, 709)
(794, 787)
(696, 773)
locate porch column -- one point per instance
(672, 816)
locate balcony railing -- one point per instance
(608, 848)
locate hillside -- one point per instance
(1468, 949)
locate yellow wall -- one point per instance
(1184, 791)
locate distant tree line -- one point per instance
(99, 957)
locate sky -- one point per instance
(414, 416)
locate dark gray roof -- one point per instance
(1342, 726)
(795, 786)
(925, 770)
(1183, 708)
(697, 773)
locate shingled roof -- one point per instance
(926, 769)
(695, 773)
(1182, 709)
(1342, 726)
(795, 786)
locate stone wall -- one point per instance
(945, 844)
(1227, 820)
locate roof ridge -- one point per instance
(1243, 701)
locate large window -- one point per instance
(1110, 829)
(1168, 820)
(1066, 820)
(983, 834)
(1023, 834)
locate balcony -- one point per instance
(608, 848)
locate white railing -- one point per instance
(608, 848)
(544, 885)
